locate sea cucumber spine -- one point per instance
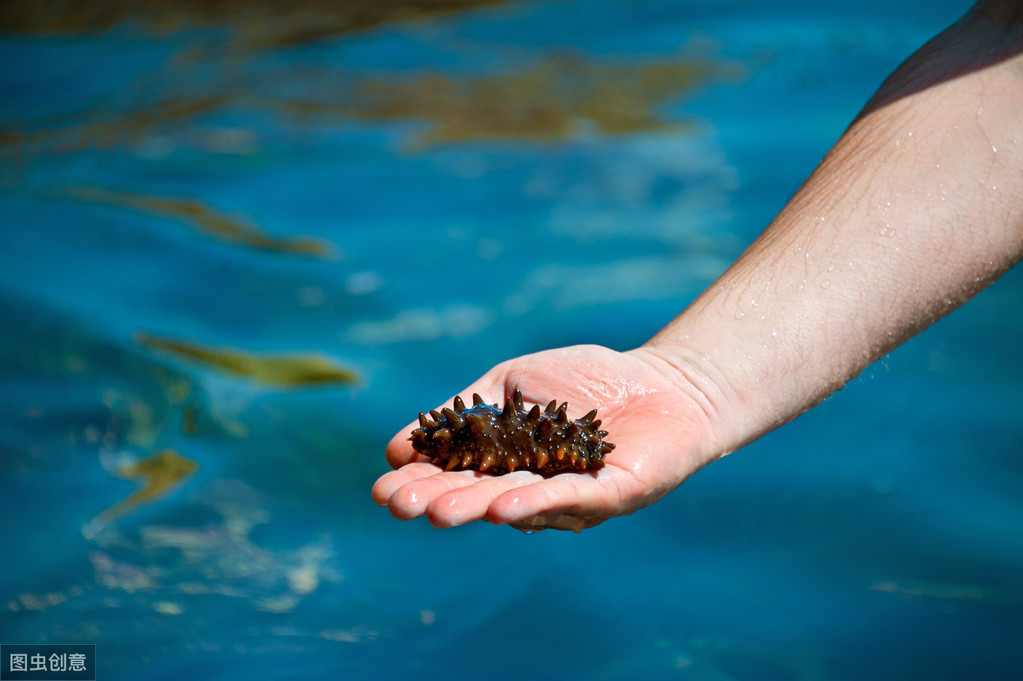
(486, 438)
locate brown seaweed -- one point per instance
(555, 98)
(159, 474)
(285, 371)
(212, 222)
(255, 23)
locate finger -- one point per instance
(578, 494)
(412, 499)
(470, 503)
(388, 483)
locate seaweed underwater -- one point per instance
(282, 371)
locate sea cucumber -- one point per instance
(488, 439)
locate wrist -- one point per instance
(713, 406)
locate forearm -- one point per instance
(916, 208)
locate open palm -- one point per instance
(657, 428)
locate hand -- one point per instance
(657, 425)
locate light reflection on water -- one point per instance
(242, 250)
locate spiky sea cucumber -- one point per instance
(486, 438)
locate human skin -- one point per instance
(916, 208)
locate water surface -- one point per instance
(239, 250)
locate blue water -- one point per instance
(878, 537)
